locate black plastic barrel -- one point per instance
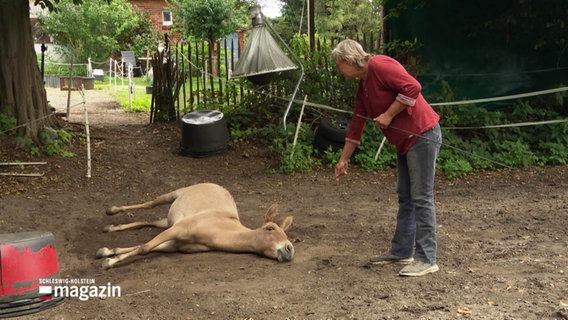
(204, 133)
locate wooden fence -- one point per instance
(202, 89)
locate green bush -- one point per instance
(455, 168)
(299, 157)
(367, 150)
(54, 141)
(7, 125)
(51, 141)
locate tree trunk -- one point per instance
(22, 91)
(213, 54)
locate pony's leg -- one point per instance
(164, 242)
(162, 223)
(160, 200)
(106, 252)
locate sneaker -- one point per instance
(389, 258)
(418, 269)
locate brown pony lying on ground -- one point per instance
(203, 217)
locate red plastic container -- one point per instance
(25, 260)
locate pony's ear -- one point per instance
(286, 223)
(271, 213)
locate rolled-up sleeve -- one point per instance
(406, 100)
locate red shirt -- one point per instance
(386, 81)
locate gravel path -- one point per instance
(102, 108)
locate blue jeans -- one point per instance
(416, 219)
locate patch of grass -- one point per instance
(141, 101)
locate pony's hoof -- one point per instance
(108, 263)
(112, 210)
(103, 252)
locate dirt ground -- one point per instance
(501, 235)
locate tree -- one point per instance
(333, 18)
(293, 19)
(22, 92)
(347, 18)
(209, 20)
(105, 29)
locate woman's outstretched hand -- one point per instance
(340, 169)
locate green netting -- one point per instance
(479, 52)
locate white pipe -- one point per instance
(87, 133)
(380, 148)
(298, 126)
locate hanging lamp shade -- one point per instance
(262, 57)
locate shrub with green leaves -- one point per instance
(98, 29)
(7, 125)
(298, 157)
(54, 141)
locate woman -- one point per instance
(392, 98)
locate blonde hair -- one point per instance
(350, 51)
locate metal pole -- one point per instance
(299, 79)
